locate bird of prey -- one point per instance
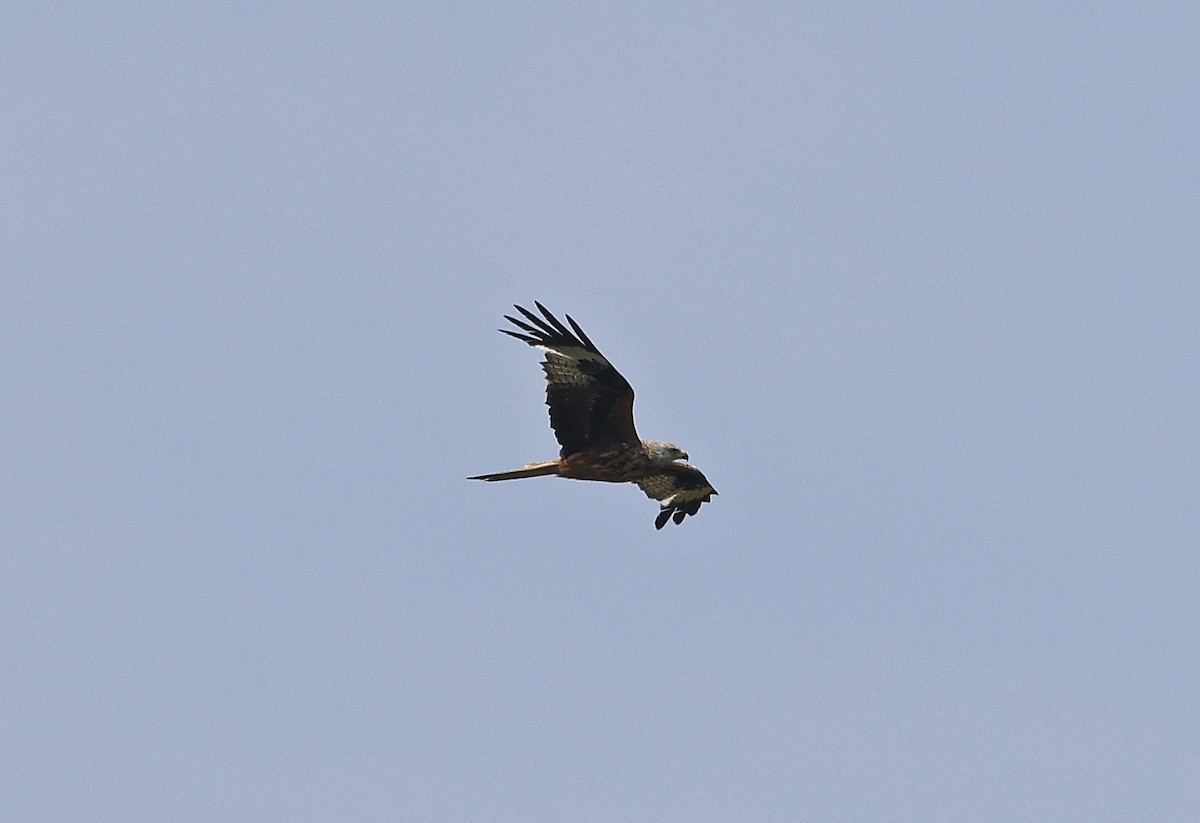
(591, 412)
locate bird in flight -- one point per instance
(591, 412)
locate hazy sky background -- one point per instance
(917, 286)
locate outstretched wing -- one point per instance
(680, 489)
(591, 404)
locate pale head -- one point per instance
(662, 454)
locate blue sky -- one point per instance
(916, 287)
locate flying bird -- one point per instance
(591, 412)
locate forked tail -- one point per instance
(532, 470)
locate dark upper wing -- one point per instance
(591, 404)
(680, 489)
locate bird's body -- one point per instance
(591, 412)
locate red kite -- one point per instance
(591, 412)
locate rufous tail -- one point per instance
(532, 470)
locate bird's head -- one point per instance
(663, 453)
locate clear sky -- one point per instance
(917, 286)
